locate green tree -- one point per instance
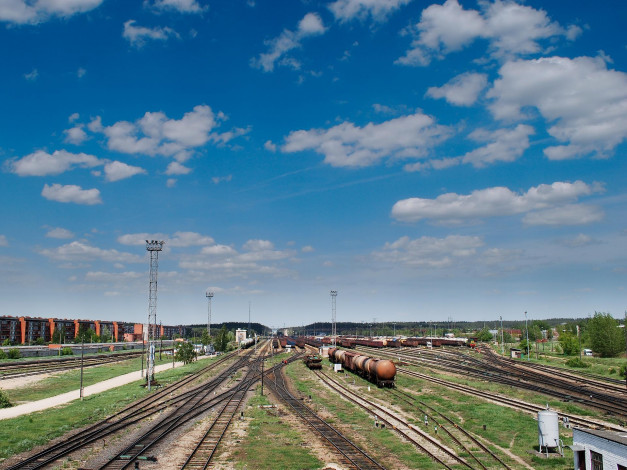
(525, 347)
(4, 400)
(205, 339)
(484, 335)
(569, 343)
(222, 339)
(605, 336)
(185, 352)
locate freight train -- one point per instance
(435, 342)
(313, 361)
(382, 372)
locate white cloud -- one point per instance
(307, 249)
(270, 146)
(175, 168)
(3, 240)
(138, 35)
(258, 245)
(76, 135)
(347, 145)
(116, 171)
(428, 251)
(71, 193)
(171, 182)
(41, 163)
(570, 214)
(81, 72)
(79, 251)
(346, 10)
(178, 239)
(310, 25)
(579, 240)
(585, 103)
(510, 28)
(156, 134)
(492, 202)
(73, 117)
(504, 145)
(462, 90)
(31, 76)
(218, 250)
(37, 11)
(60, 233)
(182, 6)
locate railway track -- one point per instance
(429, 445)
(27, 368)
(473, 367)
(134, 413)
(352, 455)
(454, 431)
(513, 403)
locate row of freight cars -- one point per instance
(378, 371)
(393, 343)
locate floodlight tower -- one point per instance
(153, 247)
(209, 297)
(333, 323)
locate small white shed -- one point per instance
(599, 450)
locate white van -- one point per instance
(587, 352)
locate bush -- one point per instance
(612, 371)
(576, 362)
(67, 351)
(4, 401)
(3, 355)
(14, 353)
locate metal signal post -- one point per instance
(153, 247)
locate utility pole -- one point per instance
(502, 335)
(82, 350)
(527, 329)
(209, 296)
(333, 317)
(153, 247)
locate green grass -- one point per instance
(270, 443)
(357, 423)
(25, 432)
(70, 380)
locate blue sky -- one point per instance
(454, 159)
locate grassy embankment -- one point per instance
(25, 432)
(507, 430)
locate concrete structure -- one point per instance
(599, 450)
(240, 335)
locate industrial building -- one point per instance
(599, 450)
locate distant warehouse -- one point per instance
(27, 330)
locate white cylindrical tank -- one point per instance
(548, 429)
(324, 351)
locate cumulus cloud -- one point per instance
(58, 232)
(429, 252)
(138, 36)
(579, 240)
(346, 10)
(310, 25)
(3, 241)
(178, 239)
(585, 103)
(268, 145)
(503, 145)
(511, 29)
(32, 75)
(347, 145)
(80, 251)
(500, 201)
(38, 11)
(307, 249)
(175, 168)
(463, 90)
(156, 134)
(181, 6)
(71, 193)
(41, 163)
(76, 135)
(221, 179)
(116, 171)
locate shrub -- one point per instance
(67, 351)
(576, 362)
(14, 353)
(3, 355)
(4, 401)
(612, 371)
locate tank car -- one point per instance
(382, 372)
(313, 361)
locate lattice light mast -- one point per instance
(333, 322)
(209, 295)
(153, 247)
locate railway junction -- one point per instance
(264, 407)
